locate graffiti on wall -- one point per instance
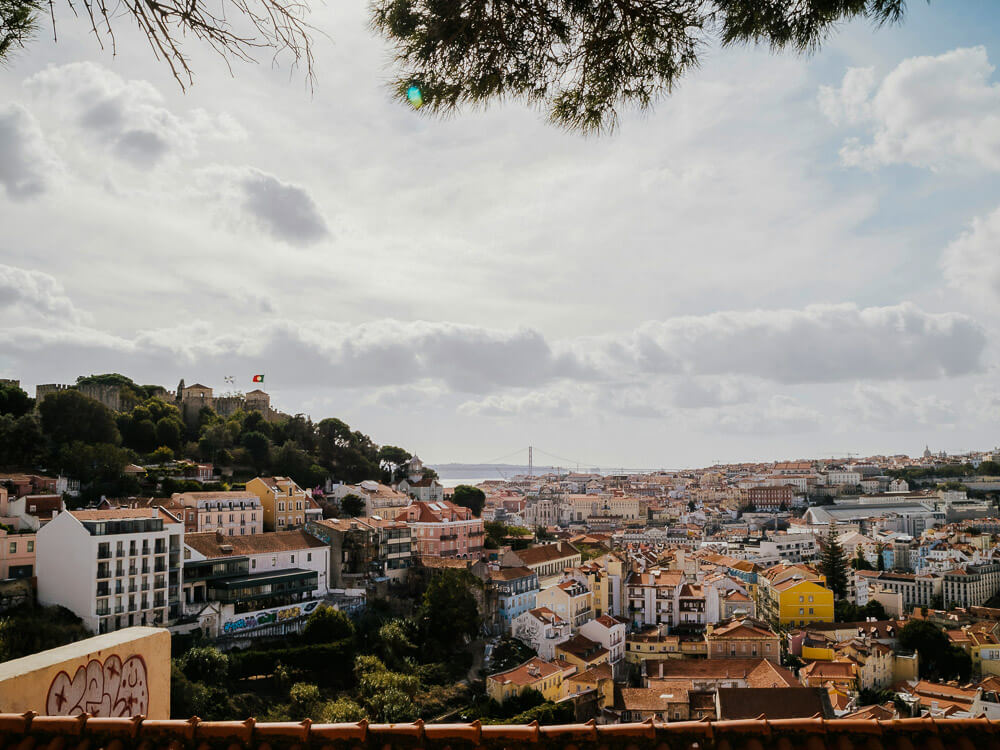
(109, 688)
(268, 617)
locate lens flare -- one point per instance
(414, 97)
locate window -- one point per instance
(309, 556)
(31, 546)
(293, 557)
(281, 505)
(810, 598)
(801, 611)
(802, 598)
(253, 563)
(810, 610)
(274, 561)
(13, 547)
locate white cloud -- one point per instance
(938, 112)
(128, 117)
(525, 405)
(777, 415)
(894, 407)
(27, 164)
(850, 103)
(817, 344)
(971, 263)
(34, 293)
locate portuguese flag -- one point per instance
(258, 378)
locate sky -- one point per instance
(790, 256)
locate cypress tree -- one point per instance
(833, 565)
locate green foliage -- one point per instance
(21, 440)
(26, 630)
(860, 562)
(161, 455)
(305, 701)
(352, 506)
(387, 696)
(584, 61)
(396, 641)
(845, 611)
(342, 711)
(327, 625)
(18, 23)
(469, 497)
(258, 447)
(91, 462)
(205, 664)
(69, 416)
(938, 657)
(392, 459)
(507, 654)
(13, 400)
(323, 662)
(869, 697)
(448, 612)
(832, 564)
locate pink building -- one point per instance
(17, 555)
(443, 529)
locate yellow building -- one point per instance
(600, 678)
(582, 652)
(535, 674)
(285, 504)
(570, 600)
(793, 595)
(650, 644)
(801, 602)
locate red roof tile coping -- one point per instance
(29, 730)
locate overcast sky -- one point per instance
(788, 257)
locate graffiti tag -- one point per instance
(114, 688)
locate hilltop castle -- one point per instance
(190, 399)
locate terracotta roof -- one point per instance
(210, 543)
(746, 628)
(546, 553)
(510, 574)
(773, 703)
(111, 515)
(649, 699)
(719, 669)
(530, 672)
(79, 733)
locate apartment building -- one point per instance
(443, 529)
(610, 633)
(542, 630)
(548, 561)
(517, 591)
(230, 513)
(914, 590)
(365, 549)
(17, 555)
(256, 572)
(380, 499)
(570, 600)
(112, 568)
(286, 505)
(971, 586)
(743, 639)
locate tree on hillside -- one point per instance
(326, 624)
(21, 441)
(14, 401)
(352, 506)
(448, 612)
(469, 497)
(69, 415)
(833, 565)
(938, 657)
(860, 562)
(393, 460)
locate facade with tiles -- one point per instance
(443, 529)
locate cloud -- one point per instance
(27, 164)
(971, 263)
(938, 112)
(893, 407)
(526, 405)
(127, 116)
(850, 103)
(36, 293)
(817, 344)
(704, 392)
(287, 212)
(780, 414)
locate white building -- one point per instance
(610, 633)
(112, 568)
(541, 629)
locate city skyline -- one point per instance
(789, 256)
